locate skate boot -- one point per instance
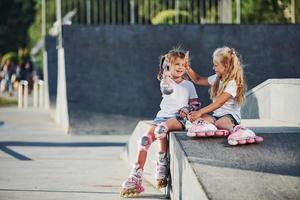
(242, 135)
(161, 174)
(201, 128)
(133, 185)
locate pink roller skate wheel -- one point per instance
(210, 133)
(200, 134)
(220, 133)
(251, 140)
(242, 141)
(259, 139)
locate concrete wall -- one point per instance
(277, 99)
(52, 70)
(112, 69)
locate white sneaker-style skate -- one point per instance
(202, 128)
(132, 186)
(242, 135)
(161, 174)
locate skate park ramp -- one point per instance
(277, 99)
(209, 168)
(110, 71)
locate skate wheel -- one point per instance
(242, 141)
(232, 142)
(191, 134)
(210, 133)
(219, 133)
(259, 139)
(251, 140)
(200, 134)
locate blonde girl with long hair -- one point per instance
(227, 92)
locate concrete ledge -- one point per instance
(210, 169)
(266, 171)
(262, 126)
(277, 99)
(184, 182)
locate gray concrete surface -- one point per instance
(211, 169)
(277, 99)
(39, 162)
(266, 171)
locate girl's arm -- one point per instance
(223, 98)
(194, 105)
(196, 78)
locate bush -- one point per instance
(169, 17)
(10, 56)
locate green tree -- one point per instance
(16, 17)
(267, 11)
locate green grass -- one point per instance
(4, 101)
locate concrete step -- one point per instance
(211, 169)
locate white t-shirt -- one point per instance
(231, 106)
(182, 93)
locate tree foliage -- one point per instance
(16, 17)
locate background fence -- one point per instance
(144, 11)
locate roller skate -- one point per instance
(202, 128)
(161, 174)
(133, 185)
(242, 135)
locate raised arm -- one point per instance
(196, 78)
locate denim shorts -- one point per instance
(159, 120)
(229, 116)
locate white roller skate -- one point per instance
(132, 186)
(242, 135)
(161, 174)
(202, 128)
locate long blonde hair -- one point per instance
(170, 57)
(231, 62)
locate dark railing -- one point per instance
(138, 11)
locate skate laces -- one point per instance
(136, 172)
(162, 158)
(238, 127)
(201, 122)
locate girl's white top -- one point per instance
(182, 93)
(231, 106)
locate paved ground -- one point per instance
(38, 161)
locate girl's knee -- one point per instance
(224, 123)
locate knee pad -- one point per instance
(145, 142)
(161, 130)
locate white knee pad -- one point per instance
(161, 130)
(145, 142)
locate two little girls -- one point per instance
(180, 105)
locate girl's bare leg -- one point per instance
(142, 153)
(224, 123)
(208, 118)
(173, 124)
